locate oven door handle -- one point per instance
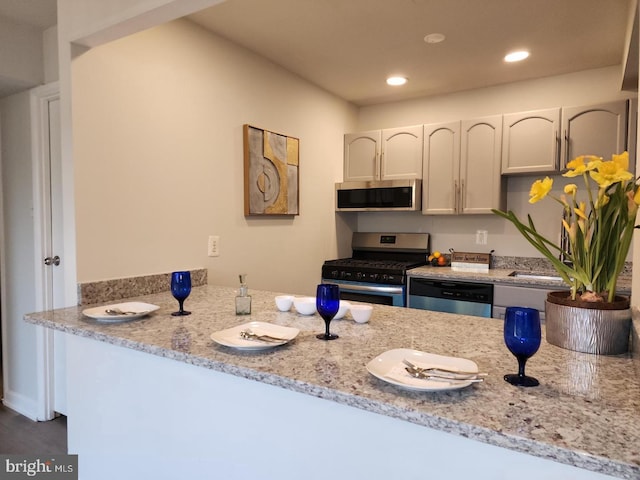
(367, 288)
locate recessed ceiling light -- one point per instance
(396, 80)
(434, 38)
(516, 56)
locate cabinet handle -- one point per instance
(456, 194)
(378, 174)
(566, 151)
(556, 152)
(462, 195)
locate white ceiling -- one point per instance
(348, 47)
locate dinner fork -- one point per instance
(249, 335)
(117, 311)
(444, 372)
(441, 378)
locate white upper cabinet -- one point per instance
(481, 185)
(461, 166)
(390, 154)
(531, 142)
(441, 169)
(594, 130)
(401, 153)
(361, 156)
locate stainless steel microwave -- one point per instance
(382, 195)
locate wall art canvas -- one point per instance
(271, 173)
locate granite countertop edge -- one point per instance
(473, 432)
(365, 401)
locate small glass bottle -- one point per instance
(243, 300)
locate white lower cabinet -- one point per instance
(512, 296)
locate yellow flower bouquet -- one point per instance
(600, 228)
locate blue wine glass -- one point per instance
(180, 289)
(522, 336)
(327, 304)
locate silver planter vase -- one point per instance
(598, 328)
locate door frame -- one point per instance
(40, 150)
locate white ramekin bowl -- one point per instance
(342, 311)
(361, 313)
(305, 305)
(284, 302)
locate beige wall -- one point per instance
(458, 232)
(157, 125)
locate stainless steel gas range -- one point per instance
(377, 270)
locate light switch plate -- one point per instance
(214, 246)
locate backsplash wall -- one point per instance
(459, 231)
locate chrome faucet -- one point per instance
(565, 245)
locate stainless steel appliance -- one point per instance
(465, 298)
(377, 270)
(382, 195)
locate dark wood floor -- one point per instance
(21, 436)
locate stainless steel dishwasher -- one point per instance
(464, 298)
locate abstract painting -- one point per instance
(271, 173)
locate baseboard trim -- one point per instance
(20, 403)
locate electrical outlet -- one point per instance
(214, 246)
(481, 237)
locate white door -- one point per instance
(56, 282)
(48, 222)
(53, 237)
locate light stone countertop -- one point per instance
(585, 413)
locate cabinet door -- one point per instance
(531, 142)
(441, 168)
(594, 130)
(481, 183)
(361, 156)
(401, 153)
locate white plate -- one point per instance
(388, 367)
(100, 313)
(231, 336)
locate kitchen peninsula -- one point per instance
(157, 398)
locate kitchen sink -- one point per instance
(536, 276)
